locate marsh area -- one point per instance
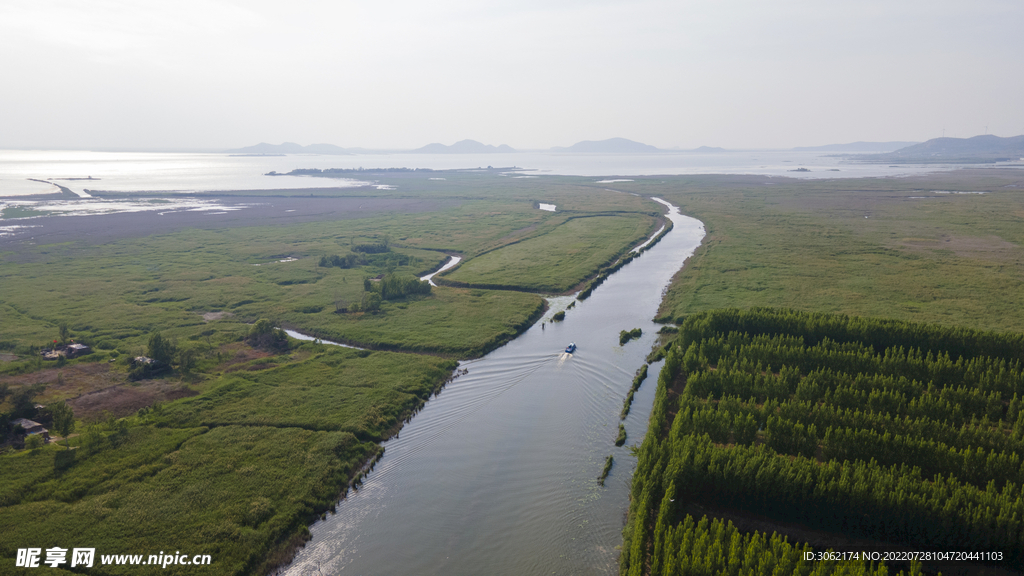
(244, 445)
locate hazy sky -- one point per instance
(531, 74)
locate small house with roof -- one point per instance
(30, 426)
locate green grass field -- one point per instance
(232, 492)
(264, 441)
(333, 390)
(268, 440)
(121, 291)
(450, 321)
(877, 247)
(558, 260)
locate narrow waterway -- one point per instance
(451, 263)
(498, 474)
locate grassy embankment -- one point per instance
(866, 246)
(263, 442)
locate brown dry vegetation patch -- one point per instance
(238, 353)
(77, 379)
(853, 202)
(124, 399)
(973, 247)
(211, 316)
(8, 357)
(93, 390)
(992, 247)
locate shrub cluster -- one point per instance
(627, 335)
(350, 260)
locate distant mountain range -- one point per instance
(976, 150)
(609, 146)
(856, 147)
(463, 147)
(624, 146)
(291, 148)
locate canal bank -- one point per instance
(498, 473)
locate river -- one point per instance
(497, 475)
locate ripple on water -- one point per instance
(497, 474)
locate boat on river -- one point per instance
(570, 348)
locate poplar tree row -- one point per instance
(879, 333)
(896, 432)
(712, 547)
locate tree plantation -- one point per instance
(888, 432)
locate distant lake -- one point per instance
(194, 172)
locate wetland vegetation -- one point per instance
(247, 438)
(244, 438)
(626, 335)
(945, 248)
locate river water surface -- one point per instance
(498, 474)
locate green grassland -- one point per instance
(281, 439)
(573, 194)
(556, 261)
(266, 440)
(231, 492)
(887, 247)
(121, 291)
(450, 321)
(334, 390)
(270, 439)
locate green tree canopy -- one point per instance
(63, 420)
(264, 335)
(160, 349)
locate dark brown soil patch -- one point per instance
(76, 380)
(127, 399)
(94, 391)
(238, 353)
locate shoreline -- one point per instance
(326, 537)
